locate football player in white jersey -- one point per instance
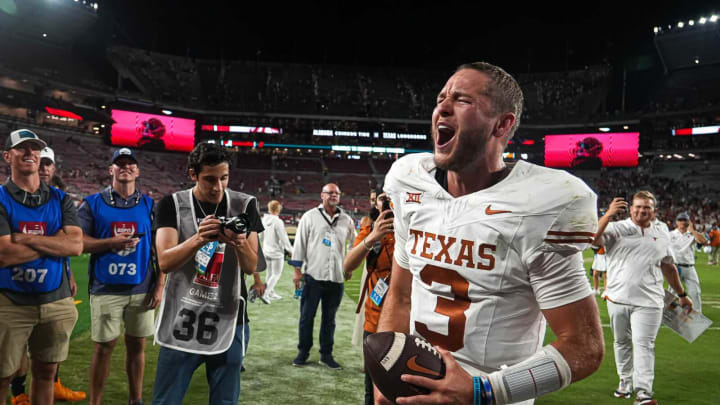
(485, 254)
(683, 242)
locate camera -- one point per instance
(386, 206)
(237, 224)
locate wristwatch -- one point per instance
(683, 295)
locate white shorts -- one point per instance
(599, 263)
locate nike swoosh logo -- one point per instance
(490, 211)
(414, 366)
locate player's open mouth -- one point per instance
(445, 134)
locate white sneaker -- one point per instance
(624, 389)
(643, 398)
(275, 296)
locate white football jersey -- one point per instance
(485, 264)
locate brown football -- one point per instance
(388, 355)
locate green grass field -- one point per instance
(684, 373)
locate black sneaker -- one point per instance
(301, 360)
(330, 363)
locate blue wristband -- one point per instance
(477, 391)
(487, 389)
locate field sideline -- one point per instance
(684, 373)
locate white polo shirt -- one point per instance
(683, 247)
(633, 257)
(320, 243)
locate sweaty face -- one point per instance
(47, 170)
(211, 182)
(641, 211)
(462, 120)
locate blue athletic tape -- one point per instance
(477, 391)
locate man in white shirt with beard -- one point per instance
(638, 257)
(683, 240)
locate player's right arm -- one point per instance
(617, 205)
(395, 315)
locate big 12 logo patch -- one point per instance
(124, 228)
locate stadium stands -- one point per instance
(337, 90)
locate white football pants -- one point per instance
(635, 329)
(689, 277)
(274, 271)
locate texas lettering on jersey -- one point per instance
(467, 255)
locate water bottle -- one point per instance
(299, 290)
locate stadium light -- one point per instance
(691, 155)
(661, 156)
(697, 60)
(604, 129)
(524, 156)
(44, 35)
(656, 29)
(713, 18)
(702, 20)
(691, 23)
(681, 24)
(626, 127)
(103, 107)
(167, 112)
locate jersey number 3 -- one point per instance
(453, 309)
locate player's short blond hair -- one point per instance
(504, 91)
(274, 206)
(645, 195)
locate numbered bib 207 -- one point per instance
(29, 275)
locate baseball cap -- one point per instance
(23, 135)
(47, 153)
(123, 152)
(682, 216)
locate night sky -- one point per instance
(427, 34)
